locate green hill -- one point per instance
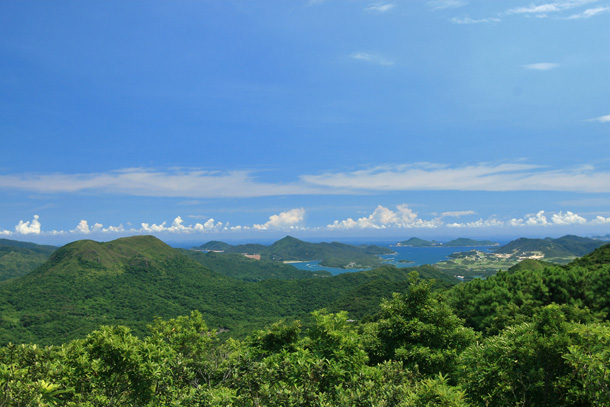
(333, 254)
(562, 249)
(464, 242)
(417, 242)
(130, 281)
(19, 258)
(242, 268)
(214, 245)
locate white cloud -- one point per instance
(589, 13)
(375, 59)
(600, 220)
(457, 214)
(83, 227)
(541, 66)
(536, 220)
(542, 10)
(557, 219)
(383, 217)
(492, 222)
(285, 220)
(178, 226)
(26, 228)
(145, 182)
(567, 218)
(601, 119)
(380, 7)
(468, 20)
(482, 177)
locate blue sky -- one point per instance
(246, 120)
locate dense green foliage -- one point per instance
(568, 246)
(528, 337)
(333, 254)
(131, 281)
(464, 242)
(417, 242)
(19, 258)
(242, 268)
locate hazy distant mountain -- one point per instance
(459, 242)
(566, 246)
(464, 242)
(329, 254)
(19, 258)
(417, 242)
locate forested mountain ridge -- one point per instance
(19, 258)
(240, 267)
(130, 281)
(535, 336)
(568, 246)
(333, 254)
(459, 242)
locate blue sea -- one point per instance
(417, 256)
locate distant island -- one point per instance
(290, 249)
(459, 242)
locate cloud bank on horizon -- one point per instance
(402, 218)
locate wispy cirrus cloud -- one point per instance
(483, 177)
(371, 58)
(380, 7)
(147, 182)
(601, 119)
(589, 13)
(543, 10)
(559, 9)
(541, 66)
(243, 184)
(468, 20)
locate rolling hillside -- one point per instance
(130, 281)
(19, 258)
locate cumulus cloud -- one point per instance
(557, 219)
(382, 217)
(375, 59)
(83, 227)
(541, 66)
(285, 220)
(567, 218)
(30, 227)
(380, 7)
(488, 223)
(178, 226)
(600, 220)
